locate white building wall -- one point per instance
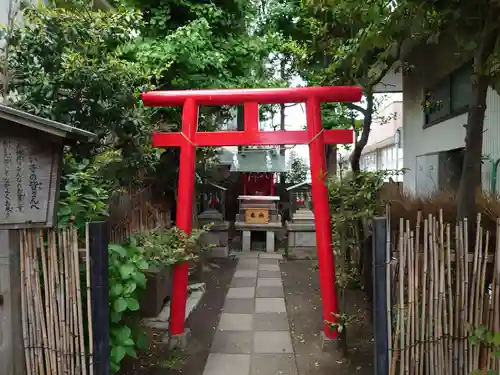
(385, 124)
(4, 12)
(428, 64)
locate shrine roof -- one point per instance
(259, 161)
(296, 186)
(42, 124)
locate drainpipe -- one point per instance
(494, 174)
(397, 145)
(397, 137)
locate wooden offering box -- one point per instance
(257, 216)
(258, 209)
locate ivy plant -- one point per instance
(481, 335)
(84, 194)
(127, 266)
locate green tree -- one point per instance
(473, 27)
(298, 170)
(64, 64)
(196, 45)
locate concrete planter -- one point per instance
(158, 288)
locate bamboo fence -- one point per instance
(54, 306)
(133, 212)
(444, 286)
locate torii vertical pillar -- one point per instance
(315, 137)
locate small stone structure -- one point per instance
(302, 229)
(213, 206)
(258, 213)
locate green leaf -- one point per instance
(141, 341)
(130, 287)
(118, 353)
(114, 367)
(143, 265)
(128, 342)
(116, 290)
(133, 241)
(496, 339)
(133, 304)
(122, 333)
(127, 271)
(131, 352)
(140, 279)
(115, 316)
(120, 305)
(118, 249)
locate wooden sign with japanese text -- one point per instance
(29, 174)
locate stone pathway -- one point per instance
(253, 336)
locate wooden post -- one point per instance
(11, 345)
(98, 248)
(380, 291)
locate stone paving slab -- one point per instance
(247, 264)
(268, 261)
(269, 267)
(239, 306)
(232, 342)
(239, 282)
(271, 322)
(227, 364)
(236, 322)
(269, 274)
(269, 292)
(269, 282)
(271, 256)
(245, 292)
(245, 273)
(273, 364)
(253, 334)
(264, 305)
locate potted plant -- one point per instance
(164, 248)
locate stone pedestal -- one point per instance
(270, 224)
(246, 240)
(270, 243)
(217, 238)
(301, 231)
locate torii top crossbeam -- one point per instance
(251, 98)
(315, 136)
(260, 96)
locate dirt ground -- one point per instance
(303, 303)
(202, 322)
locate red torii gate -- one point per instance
(315, 136)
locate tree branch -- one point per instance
(389, 63)
(356, 107)
(365, 133)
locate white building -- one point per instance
(434, 142)
(383, 151)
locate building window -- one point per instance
(461, 88)
(450, 96)
(369, 162)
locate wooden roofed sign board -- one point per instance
(30, 167)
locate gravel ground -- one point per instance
(303, 302)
